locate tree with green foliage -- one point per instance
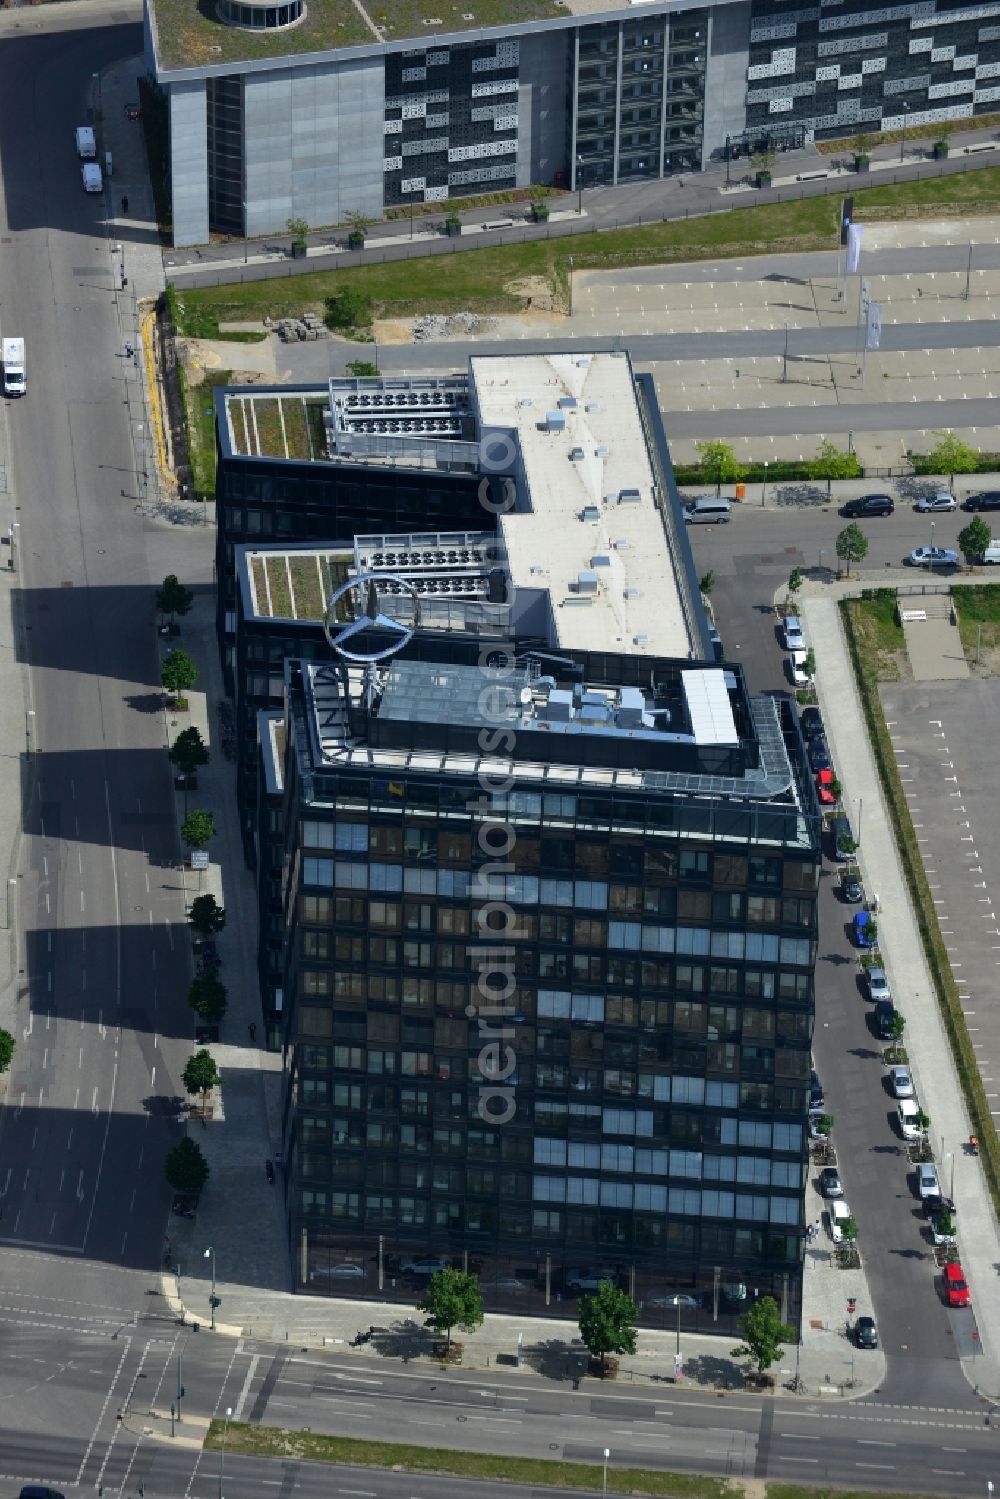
(823, 1125)
(922, 1120)
(198, 828)
(178, 673)
(809, 664)
(951, 456)
(897, 1026)
(974, 538)
(795, 581)
(173, 598)
(188, 751)
(361, 369)
(206, 916)
(832, 463)
(762, 1331)
(186, 1168)
(360, 222)
(849, 1229)
(851, 545)
(7, 1044)
(348, 309)
(298, 229)
(200, 1074)
(608, 1320)
(719, 464)
(207, 997)
(707, 583)
(452, 1299)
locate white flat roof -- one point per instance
(708, 703)
(610, 575)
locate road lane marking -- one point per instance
(873, 1442)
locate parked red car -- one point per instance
(824, 787)
(955, 1288)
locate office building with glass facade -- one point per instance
(314, 110)
(541, 919)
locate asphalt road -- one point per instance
(102, 956)
(110, 1425)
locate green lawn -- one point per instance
(482, 280)
(312, 1446)
(199, 409)
(978, 617)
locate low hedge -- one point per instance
(935, 952)
(756, 473)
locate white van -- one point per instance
(992, 552)
(86, 145)
(93, 182)
(908, 1110)
(836, 1215)
(707, 512)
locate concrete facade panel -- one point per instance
(189, 162)
(726, 77)
(314, 144)
(543, 107)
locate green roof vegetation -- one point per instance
(190, 34)
(296, 584)
(270, 425)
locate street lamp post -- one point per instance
(29, 714)
(902, 137)
(968, 274)
(225, 1432)
(763, 492)
(213, 1299)
(579, 185)
(604, 1485)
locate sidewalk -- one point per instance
(926, 1038)
(806, 174)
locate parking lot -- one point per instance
(944, 737)
(751, 557)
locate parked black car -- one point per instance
(811, 720)
(988, 499)
(819, 755)
(852, 892)
(866, 1333)
(882, 1017)
(868, 504)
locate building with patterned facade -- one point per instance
(315, 110)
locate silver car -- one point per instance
(927, 1182)
(940, 501)
(902, 1082)
(878, 984)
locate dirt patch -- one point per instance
(197, 357)
(393, 330)
(537, 291)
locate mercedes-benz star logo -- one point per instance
(367, 619)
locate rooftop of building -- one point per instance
(408, 421)
(595, 534)
(191, 34)
(694, 734)
(292, 584)
(457, 576)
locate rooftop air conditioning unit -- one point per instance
(576, 455)
(590, 513)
